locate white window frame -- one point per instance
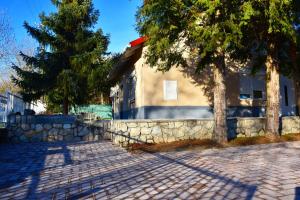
(167, 95)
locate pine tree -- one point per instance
(207, 31)
(273, 32)
(70, 56)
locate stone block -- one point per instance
(25, 127)
(163, 124)
(123, 127)
(88, 138)
(169, 139)
(156, 130)
(29, 133)
(39, 128)
(171, 125)
(151, 124)
(67, 126)
(83, 132)
(145, 131)
(57, 125)
(166, 130)
(261, 132)
(134, 131)
(53, 132)
(32, 126)
(132, 125)
(47, 126)
(66, 132)
(143, 138)
(143, 125)
(178, 133)
(60, 138)
(191, 123)
(68, 138)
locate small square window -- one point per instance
(245, 96)
(257, 94)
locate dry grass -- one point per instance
(207, 144)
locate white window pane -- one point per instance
(170, 90)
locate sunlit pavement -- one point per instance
(104, 171)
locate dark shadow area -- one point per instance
(3, 135)
(297, 193)
(159, 165)
(22, 162)
(98, 170)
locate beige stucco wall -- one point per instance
(192, 90)
(139, 91)
(189, 93)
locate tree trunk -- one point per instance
(66, 106)
(273, 95)
(220, 128)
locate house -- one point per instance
(143, 92)
(14, 103)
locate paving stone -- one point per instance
(100, 170)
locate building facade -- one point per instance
(143, 92)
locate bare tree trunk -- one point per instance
(220, 128)
(66, 106)
(273, 95)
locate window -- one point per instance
(245, 86)
(131, 86)
(286, 96)
(170, 90)
(245, 96)
(257, 94)
(252, 87)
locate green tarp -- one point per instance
(101, 111)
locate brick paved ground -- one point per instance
(103, 171)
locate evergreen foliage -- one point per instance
(207, 27)
(272, 31)
(70, 59)
(195, 32)
(272, 23)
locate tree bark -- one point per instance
(273, 94)
(220, 128)
(66, 106)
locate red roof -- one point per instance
(138, 41)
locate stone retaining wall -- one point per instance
(160, 131)
(24, 129)
(290, 125)
(124, 132)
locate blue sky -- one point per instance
(117, 18)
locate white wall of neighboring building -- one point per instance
(13, 103)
